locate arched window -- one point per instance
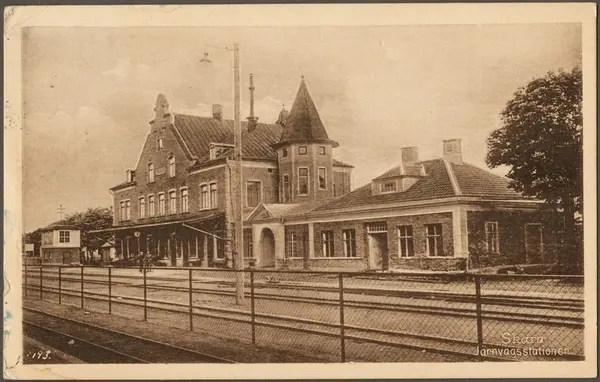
(151, 173)
(171, 166)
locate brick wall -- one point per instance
(301, 236)
(511, 228)
(418, 223)
(338, 241)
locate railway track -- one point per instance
(568, 313)
(95, 344)
(453, 347)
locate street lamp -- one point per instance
(238, 251)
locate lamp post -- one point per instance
(239, 181)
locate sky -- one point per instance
(88, 92)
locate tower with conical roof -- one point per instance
(305, 153)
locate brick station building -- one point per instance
(177, 202)
(299, 210)
(420, 214)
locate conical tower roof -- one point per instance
(303, 124)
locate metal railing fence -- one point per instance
(342, 316)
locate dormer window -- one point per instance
(171, 166)
(217, 150)
(302, 150)
(388, 186)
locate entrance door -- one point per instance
(377, 250)
(66, 257)
(268, 248)
(533, 243)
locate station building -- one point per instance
(61, 244)
(299, 209)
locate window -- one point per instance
(184, 200)
(388, 186)
(284, 153)
(64, 236)
(377, 227)
(150, 173)
(406, 246)
(433, 234)
(122, 210)
(349, 237)
(204, 196)
(161, 203)
(327, 238)
(142, 206)
(292, 245)
(302, 150)
(151, 205)
(248, 249)
(322, 178)
(321, 150)
(286, 188)
(492, 237)
(252, 193)
(171, 166)
(213, 195)
(172, 202)
(302, 181)
(159, 144)
(125, 210)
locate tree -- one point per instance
(92, 219)
(541, 140)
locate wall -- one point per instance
(342, 180)
(60, 255)
(301, 233)
(511, 227)
(312, 160)
(54, 236)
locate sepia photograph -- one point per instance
(246, 189)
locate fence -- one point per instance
(342, 316)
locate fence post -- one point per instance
(478, 313)
(342, 339)
(252, 308)
(41, 283)
(145, 303)
(59, 285)
(82, 287)
(109, 290)
(26, 281)
(191, 301)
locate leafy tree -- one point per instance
(92, 219)
(541, 140)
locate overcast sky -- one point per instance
(89, 92)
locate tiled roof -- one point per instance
(198, 132)
(59, 225)
(472, 181)
(401, 170)
(337, 163)
(303, 123)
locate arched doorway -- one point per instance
(267, 241)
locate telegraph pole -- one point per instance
(238, 180)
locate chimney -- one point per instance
(410, 155)
(218, 112)
(453, 151)
(252, 120)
